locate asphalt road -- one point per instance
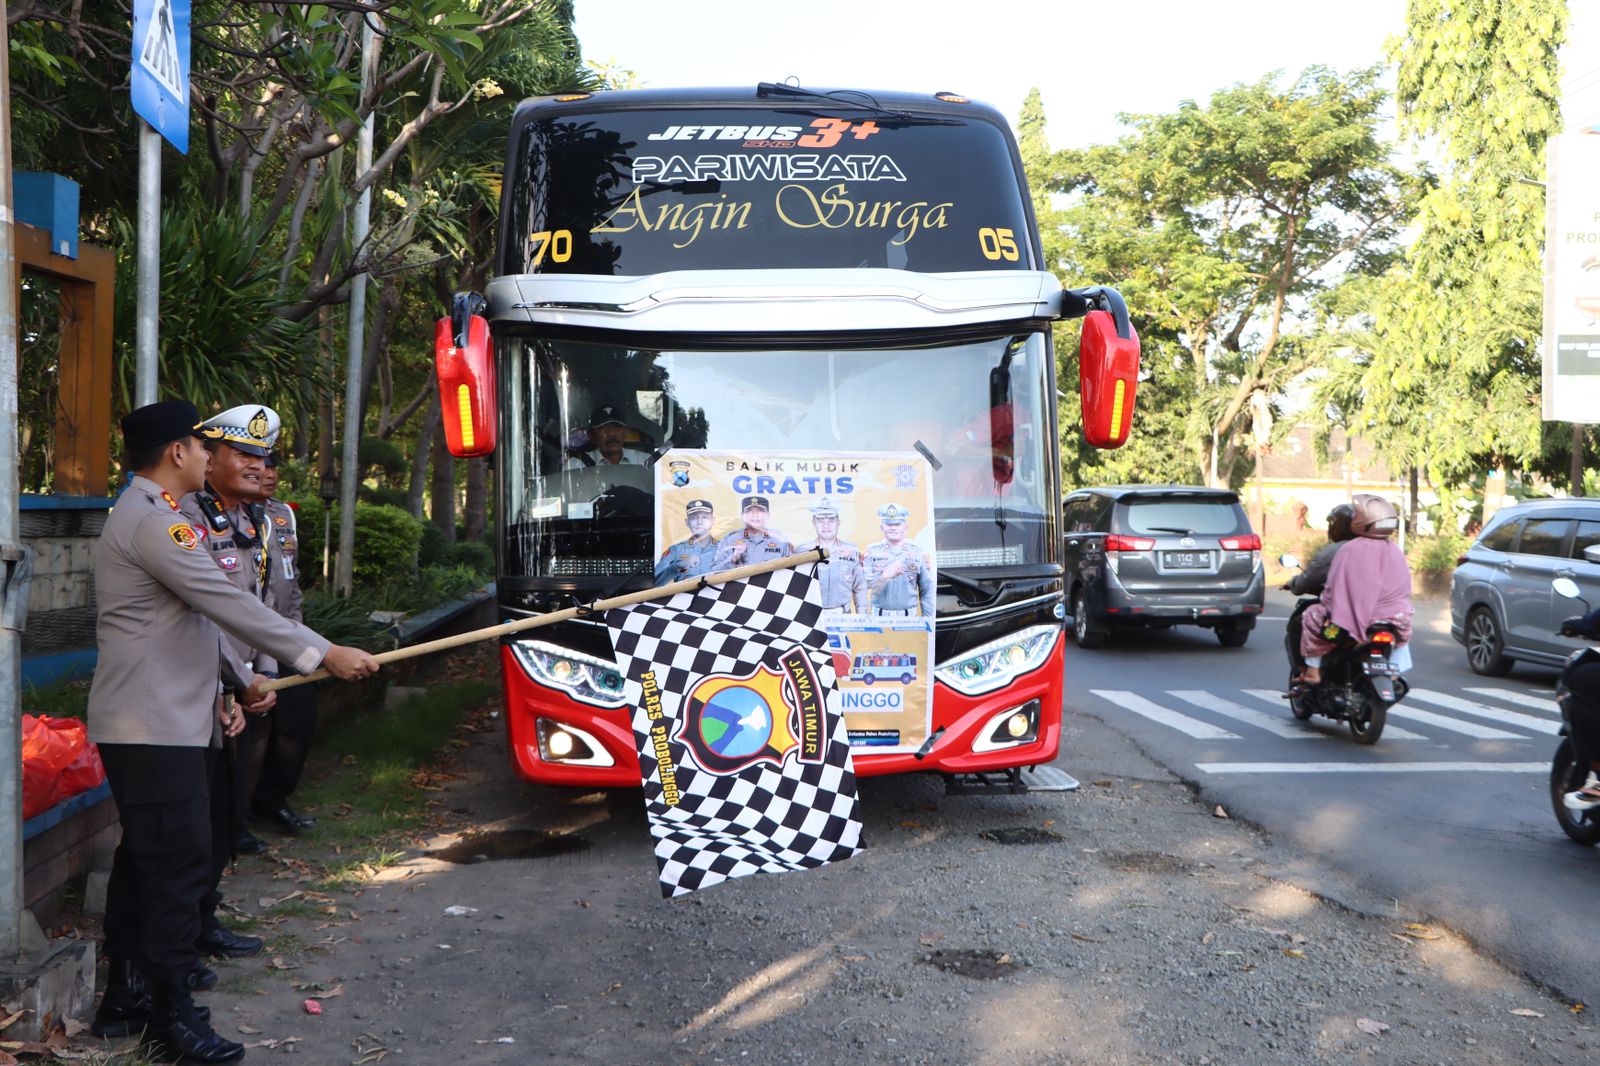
(1448, 814)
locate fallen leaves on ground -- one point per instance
(1526, 1012)
(1219, 812)
(1372, 1027)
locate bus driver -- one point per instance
(608, 435)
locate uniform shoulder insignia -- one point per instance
(182, 534)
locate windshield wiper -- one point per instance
(851, 98)
(990, 593)
(1169, 529)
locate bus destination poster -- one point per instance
(873, 513)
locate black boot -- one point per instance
(219, 942)
(177, 1033)
(125, 1008)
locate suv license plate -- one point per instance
(1186, 560)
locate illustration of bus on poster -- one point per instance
(873, 513)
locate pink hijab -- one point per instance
(1369, 582)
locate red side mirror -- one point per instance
(466, 387)
(1108, 376)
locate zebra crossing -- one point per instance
(1428, 715)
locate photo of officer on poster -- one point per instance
(873, 515)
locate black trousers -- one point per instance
(1583, 715)
(293, 722)
(162, 867)
(226, 818)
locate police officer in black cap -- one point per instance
(152, 710)
(755, 543)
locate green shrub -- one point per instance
(386, 455)
(431, 551)
(382, 495)
(345, 621)
(387, 538)
(1436, 554)
(440, 584)
(471, 554)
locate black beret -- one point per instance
(161, 423)
(270, 461)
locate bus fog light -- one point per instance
(1019, 725)
(560, 742)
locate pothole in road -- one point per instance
(1021, 834)
(1143, 862)
(510, 844)
(979, 965)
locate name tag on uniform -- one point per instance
(288, 567)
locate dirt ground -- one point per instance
(1121, 923)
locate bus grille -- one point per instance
(1007, 555)
(593, 567)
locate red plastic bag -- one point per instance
(58, 762)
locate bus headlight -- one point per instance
(583, 677)
(996, 663)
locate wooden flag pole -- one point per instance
(690, 584)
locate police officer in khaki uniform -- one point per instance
(152, 710)
(226, 507)
(695, 554)
(898, 572)
(293, 719)
(844, 584)
(754, 543)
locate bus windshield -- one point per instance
(581, 422)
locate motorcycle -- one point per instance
(1566, 775)
(1359, 681)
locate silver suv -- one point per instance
(1160, 556)
(1501, 604)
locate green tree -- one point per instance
(1448, 378)
(1225, 225)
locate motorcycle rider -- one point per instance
(1311, 580)
(1368, 582)
(1583, 714)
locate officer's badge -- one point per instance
(680, 472)
(182, 534)
(279, 520)
(905, 476)
(258, 424)
(228, 562)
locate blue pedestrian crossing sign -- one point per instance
(160, 79)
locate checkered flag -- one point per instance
(742, 751)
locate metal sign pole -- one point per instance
(148, 289)
(10, 639)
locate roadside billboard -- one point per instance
(1571, 383)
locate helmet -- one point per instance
(1375, 517)
(1339, 522)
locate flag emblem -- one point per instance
(742, 751)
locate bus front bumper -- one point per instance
(554, 739)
